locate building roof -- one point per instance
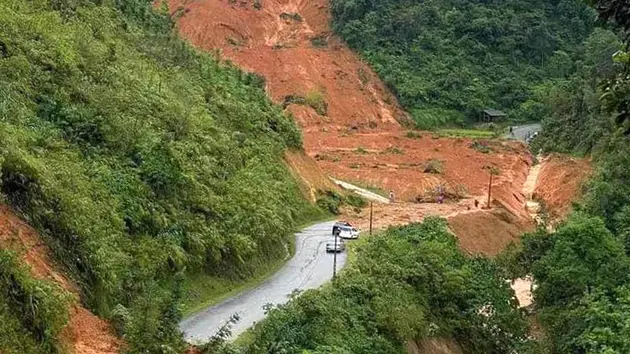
(494, 113)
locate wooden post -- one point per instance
(490, 189)
(371, 212)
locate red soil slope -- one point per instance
(85, 333)
(560, 181)
(488, 232)
(267, 42)
(359, 138)
(311, 176)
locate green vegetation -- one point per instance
(202, 290)
(413, 135)
(393, 150)
(141, 160)
(33, 312)
(467, 133)
(320, 41)
(332, 201)
(409, 283)
(446, 61)
(581, 272)
(291, 16)
(434, 166)
(582, 268)
(314, 99)
(481, 146)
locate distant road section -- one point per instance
(521, 131)
(309, 268)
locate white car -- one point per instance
(333, 246)
(348, 232)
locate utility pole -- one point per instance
(335, 259)
(489, 190)
(493, 171)
(371, 212)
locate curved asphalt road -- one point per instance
(521, 131)
(309, 268)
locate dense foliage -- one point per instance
(446, 61)
(32, 312)
(409, 283)
(138, 157)
(582, 269)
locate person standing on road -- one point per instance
(511, 130)
(391, 196)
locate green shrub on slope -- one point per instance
(33, 312)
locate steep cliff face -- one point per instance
(560, 183)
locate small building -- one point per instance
(492, 115)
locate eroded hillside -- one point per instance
(289, 42)
(352, 125)
(85, 333)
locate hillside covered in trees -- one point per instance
(446, 61)
(141, 161)
(582, 268)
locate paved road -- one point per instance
(521, 132)
(309, 268)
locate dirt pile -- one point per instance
(413, 166)
(489, 231)
(560, 181)
(398, 214)
(85, 333)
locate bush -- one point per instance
(433, 166)
(330, 201)
(356, 201)
(314, 99)
(293, 16)
(320, 41)
(40, 307)
(413, 135)
(481, 146)
(394, 150)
